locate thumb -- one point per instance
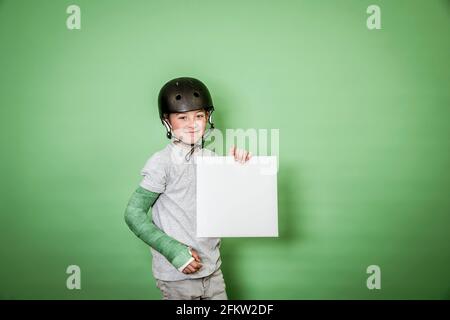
(196, 256)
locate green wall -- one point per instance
(364, 141)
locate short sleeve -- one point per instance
(154, 174)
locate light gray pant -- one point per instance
(211, 287)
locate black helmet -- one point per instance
(181, 95)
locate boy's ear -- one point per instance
(166, 117)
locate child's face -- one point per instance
(188, 126)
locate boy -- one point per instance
(184, 266)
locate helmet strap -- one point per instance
(168, 129)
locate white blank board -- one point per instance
(237, 200)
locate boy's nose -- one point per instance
(192, 122)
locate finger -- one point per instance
(245, 156)
(232, 151)
(249, 156)
(196, 256)
(186, 270)
(236, 154)
(196, 265)
(195, 269)
(191, 268)
(240, 155)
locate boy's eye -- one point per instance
(182, 117)
(200, 115)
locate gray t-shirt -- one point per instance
(169, 173)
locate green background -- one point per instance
(364, 141)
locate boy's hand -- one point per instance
(195, 265)
(240, 155)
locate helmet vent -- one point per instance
(178, 97)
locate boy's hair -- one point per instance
(182, 95)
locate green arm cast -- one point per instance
(142, 226)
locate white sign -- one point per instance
(235, 199)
